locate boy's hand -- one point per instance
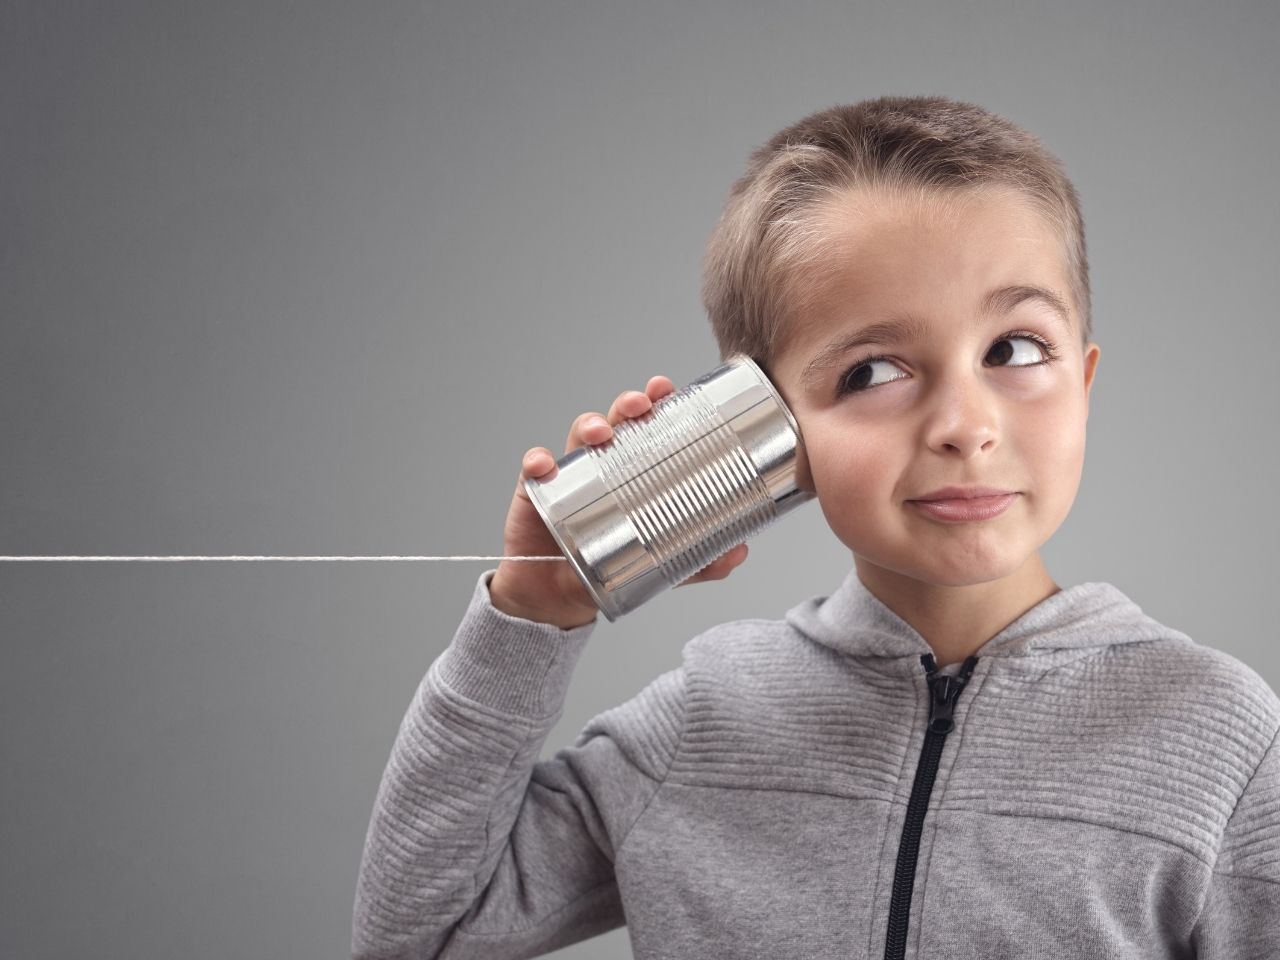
(549, 591)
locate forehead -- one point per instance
(936, 258)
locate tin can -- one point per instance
(706, 468)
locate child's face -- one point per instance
(960, 404)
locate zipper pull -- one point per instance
(944, 690)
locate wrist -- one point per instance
(566, 618)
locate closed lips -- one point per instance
(964, 493)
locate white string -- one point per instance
(178, 559)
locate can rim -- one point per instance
(747, 360)
(569, 549)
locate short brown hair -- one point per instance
(763, 245)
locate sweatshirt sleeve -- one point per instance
(1240, 919)
(474, 847)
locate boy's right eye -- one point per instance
(856, 378)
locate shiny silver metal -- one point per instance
(708, 467)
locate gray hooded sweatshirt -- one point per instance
(1090, 784)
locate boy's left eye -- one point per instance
(1044, 354)
(853, 382)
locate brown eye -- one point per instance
(1002, 349)
(857, 377)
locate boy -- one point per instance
(951, 755)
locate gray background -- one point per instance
(310, 278)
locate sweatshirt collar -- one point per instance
(853, 620)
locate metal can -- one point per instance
(706, 468)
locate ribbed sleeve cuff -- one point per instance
(508, 663)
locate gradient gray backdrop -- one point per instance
(301, 279)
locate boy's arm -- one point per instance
(1240, 918)
(474, 847)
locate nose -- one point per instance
(963, 419)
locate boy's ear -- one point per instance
(1091, 354)
(804, 476)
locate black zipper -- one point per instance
(944, 689)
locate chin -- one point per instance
(954, 570)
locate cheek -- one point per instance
(1041, 416)
(1050, 439)
(1032, 390)
(857, 458)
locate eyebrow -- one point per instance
(909, 327)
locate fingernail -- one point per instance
(597, 422)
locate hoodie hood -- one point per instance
(854, 621)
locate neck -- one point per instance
(956, 620)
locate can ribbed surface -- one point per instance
(686, 482)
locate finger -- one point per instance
(584, 430)
(537, 462)
(659, 386)
(719, 568)
(630, 404)
(731, 560)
